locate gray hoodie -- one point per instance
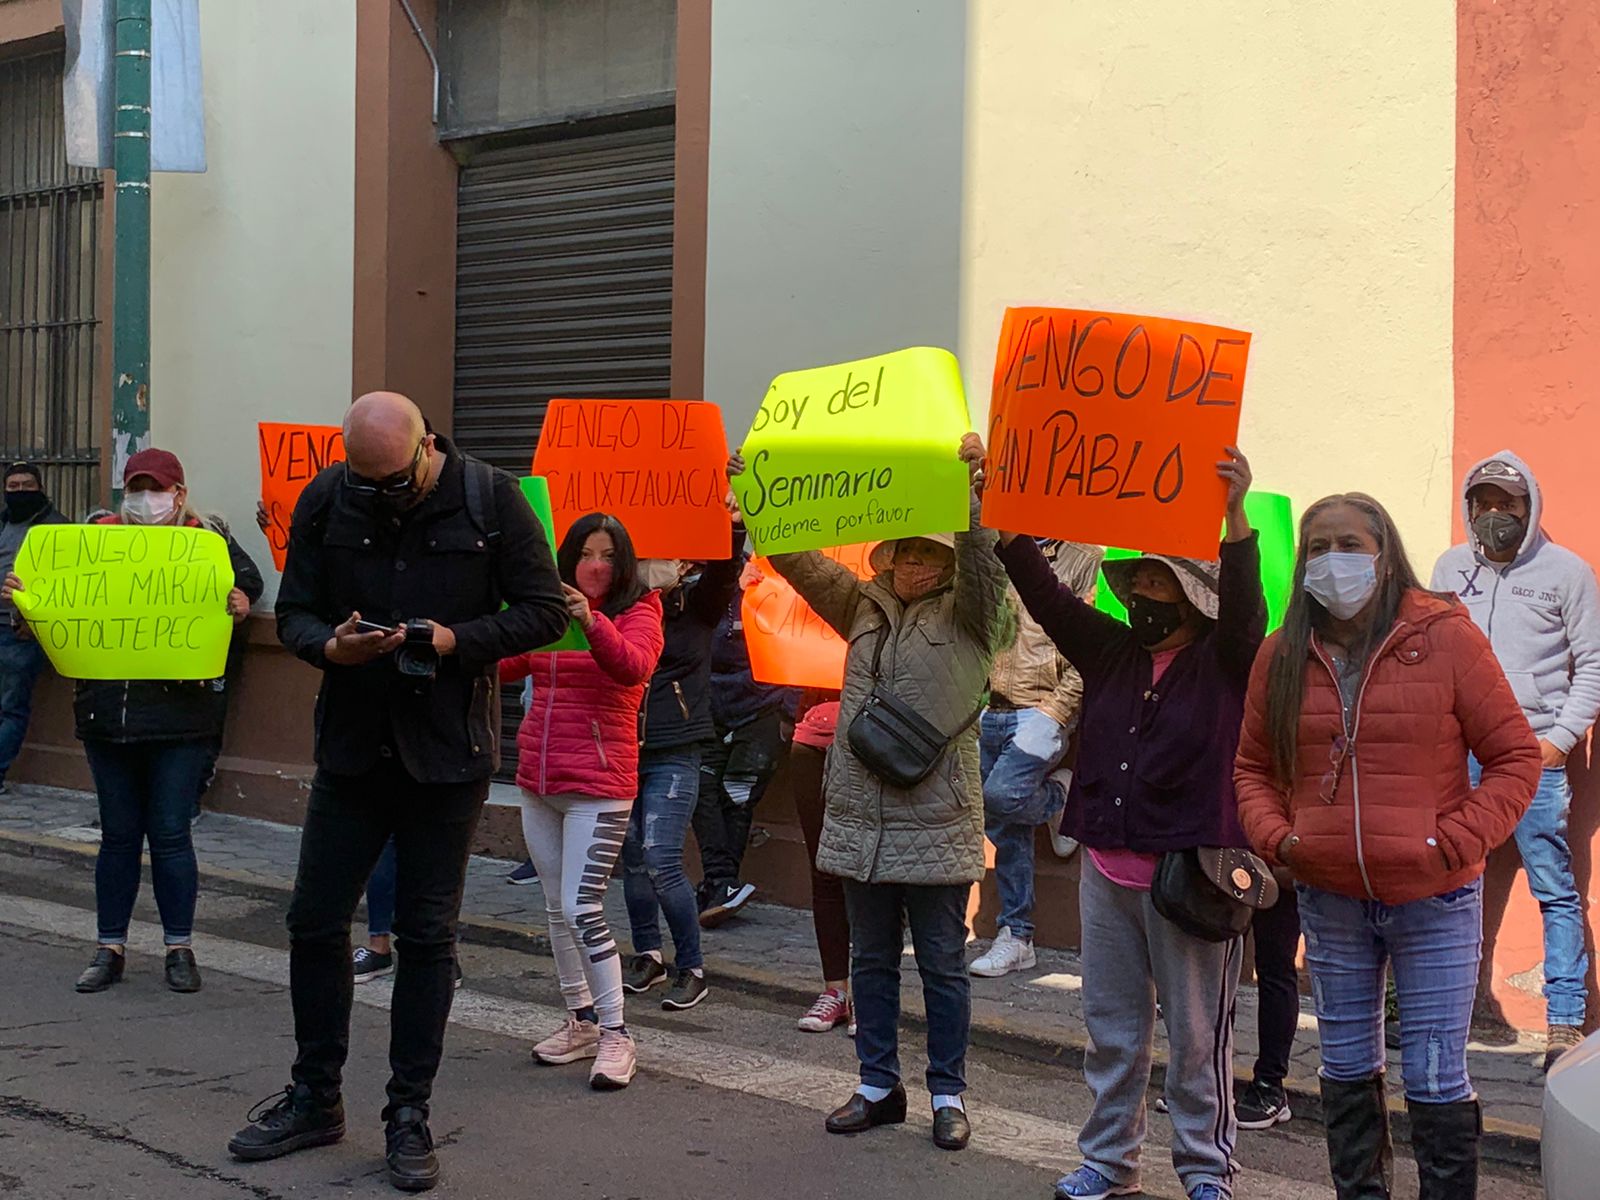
(1541, 613)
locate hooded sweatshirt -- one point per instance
(1541, 613)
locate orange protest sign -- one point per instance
(1107, 428)
(789, 644)
(660, 466)
(291, 456)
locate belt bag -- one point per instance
(891, 739)
(1212, 892)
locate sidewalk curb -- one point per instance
(1505, 1142)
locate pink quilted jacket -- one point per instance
(581, 733)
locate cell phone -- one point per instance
(373, 627)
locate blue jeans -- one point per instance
(21, 660)
(1542, 842)
(146, 792)
(1018, 749)
(1434, 945)
(652, 855)
(380, 894)
(938, 918)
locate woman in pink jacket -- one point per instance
(578, 769)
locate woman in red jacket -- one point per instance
(578, 768)
(1352, 772)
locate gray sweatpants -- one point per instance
(1132, 955)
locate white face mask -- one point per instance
(149, 508)
(1342, 583)
(659, 574)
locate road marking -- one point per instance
(1005, 1133)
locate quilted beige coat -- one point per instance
(936, 658)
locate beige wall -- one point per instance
(1277, 167)
(251, 262)
(834, 190)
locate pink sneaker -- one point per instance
(616, 1062)
(831, 1010)
(574, 1040)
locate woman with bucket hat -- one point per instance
(903, 824)
(1162, 703)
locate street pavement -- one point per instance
(133, 1092)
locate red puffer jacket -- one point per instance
(580, 736)
(1404, 822)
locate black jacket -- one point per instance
(677, 707)
(167, 710)
(736, 698)
(488, 575)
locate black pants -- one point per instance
(348, 821)
(1277, 931)
(735, 771)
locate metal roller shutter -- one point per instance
(563, 288)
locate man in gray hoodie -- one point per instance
(1539, 606)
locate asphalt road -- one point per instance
(133, 1093)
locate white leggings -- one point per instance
(574, 842)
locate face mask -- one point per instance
(149, 508)
(914, 582)
(1342, 583)
(24, 506)
(659, 574)
(1498, 532)
(594, 579)
(1153, 621)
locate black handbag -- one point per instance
(1212, 892)
(891, 739)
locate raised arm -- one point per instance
(1080, 631)
(980, 586)
(832, 590)
(719, 583)
(1241, 606)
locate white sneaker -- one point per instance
(1005, 955)
(1064, 846)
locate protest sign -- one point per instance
(128, 601)
(658, 466)
(861, 451)
(1273, 518)
(291, 456)
(788, 643)
(536, 492)
(1107, 428)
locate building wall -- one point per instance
(834, 195)
(1276, 167)
(251, 279)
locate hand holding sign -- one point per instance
(291, 457)
(1099, 421)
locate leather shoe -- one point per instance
(105, 970)
(951, 1129)
(861, 1114)
(183, 973)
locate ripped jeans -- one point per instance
(652, 855)
(1434, 945)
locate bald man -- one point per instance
(408, 529)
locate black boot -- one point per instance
(1359, 1153)
(1444, 1139)
(413, 1166)
(289, 1121)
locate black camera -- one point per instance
(416, 656)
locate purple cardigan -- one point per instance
(1155, 765)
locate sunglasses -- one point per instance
(393, 487)
(1339, 753)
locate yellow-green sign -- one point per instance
(127, 601)
(859, 452)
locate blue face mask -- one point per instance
(1342, 583)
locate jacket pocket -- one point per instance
(1526, 690)
(599, 745)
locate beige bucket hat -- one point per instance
(1199, 580)
(882, 556)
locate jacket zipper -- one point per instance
(544, 745)
(599, 745)
(126, 687)
(1494, 601)
(1352, 728)
(683, 705)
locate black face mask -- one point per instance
(24, 506)
(1498, 532)
(1153, 621)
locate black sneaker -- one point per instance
(1262, 1106)
(642, 972)
(104, 970)
(525, 874)
(725, 900)
(367, 964)
(287, 1122)
(687, 990)
(183, 973)
(413, 1166)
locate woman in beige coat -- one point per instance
(931, 618)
